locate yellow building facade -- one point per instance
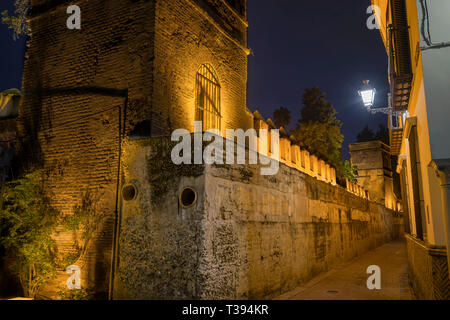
(414, 33)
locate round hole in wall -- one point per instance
(129, 192)
(188, 197)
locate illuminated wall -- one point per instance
(419, 112)
(128, 73)
(227, 241)
(425, 143)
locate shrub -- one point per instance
(27, 222)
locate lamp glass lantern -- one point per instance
(367, 93)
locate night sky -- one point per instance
(12, 54)
(295, 45)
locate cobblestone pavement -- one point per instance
(348, 281)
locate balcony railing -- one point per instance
(395, 133)
(400, 72)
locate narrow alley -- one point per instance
(348, 281)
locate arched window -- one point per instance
(207, 104)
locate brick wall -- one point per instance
(189, 35)
(129, 71)
(82, 90)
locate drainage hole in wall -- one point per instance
(188, 197)
(332, 292)
(129, 192)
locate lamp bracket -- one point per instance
(387, 111)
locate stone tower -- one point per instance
(373, 161)
(131, 71)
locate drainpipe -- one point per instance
(442, 169)
(118, 204)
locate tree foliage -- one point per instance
(84, 224)
(365, 135)
(17, 22)
(316, 108)
(382, 134)
(81, 294)
(27, 226)
(350, 172)
(282, 117)
(319, 129)
(324, 140)
(368, 134)
(27, 222)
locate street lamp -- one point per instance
(367, 93)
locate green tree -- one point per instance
(320, 130)
(316, 108)
(368, 134)
(382, 134)
(350, 172)
(365, 135)
(27, 226)
(17, 22)
(27, 223)
(282, 117)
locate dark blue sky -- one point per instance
(12, 54)
(296, 45)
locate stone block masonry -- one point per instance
(83, 90)
(428, 270)
(373, 162)
(246, 236)
(129, 71)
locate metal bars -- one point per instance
(207, 103)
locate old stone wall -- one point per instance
(373, 162)
(83, 90)
(130, 71)
(246, 237)
(428, 270)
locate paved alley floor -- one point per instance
(349, 281)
